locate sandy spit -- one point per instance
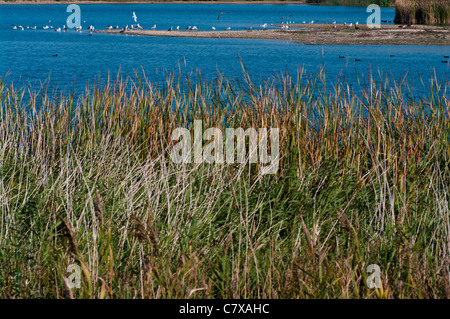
(319, 34)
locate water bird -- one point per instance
(188, 28)
(134, 17)
(178, 28)
(250, 29)
(228, 29)
(341, 57)
(391, 56)
(78, 28)
(264, 26)
(213, 28)
(283, 18)
(116, 27)
(33, 28)
(14, 27)
(218, 17)
(55, 54)
(58, 30)
(65, 28)
(170, 29)
(357, 60)
(154, 27)
(446, 56)
(194, 28)
(444, 61)
(91, 28)
(109, 27)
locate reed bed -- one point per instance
(422, 12)
(363, 179)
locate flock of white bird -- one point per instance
(46, 27)
(137, 26)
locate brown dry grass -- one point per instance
(422, 12)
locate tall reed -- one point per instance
(363, 180)
(422, 12)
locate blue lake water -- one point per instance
(27, 56)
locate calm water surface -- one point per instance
(27, 56)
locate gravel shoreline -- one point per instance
(320, 34)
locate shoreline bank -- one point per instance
(154, 2)
(319, 34)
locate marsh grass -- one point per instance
(422, 12)
(363, 179)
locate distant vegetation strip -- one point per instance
(381, 3)
(152, 1)
(384, 3)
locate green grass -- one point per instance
(363, 179)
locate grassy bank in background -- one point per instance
(422, 12)
(363, 179)
(150, 1)
(364, 3)
(324, 2)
